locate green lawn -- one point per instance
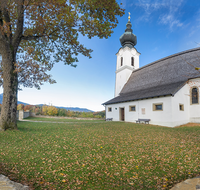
(105, 155)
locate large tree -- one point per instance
(45, 32)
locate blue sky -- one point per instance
(162, 27)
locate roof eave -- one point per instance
(117, 102)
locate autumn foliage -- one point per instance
(53, 111)
(36, 34)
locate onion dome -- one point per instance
(128, 38)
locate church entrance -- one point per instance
(121, 114)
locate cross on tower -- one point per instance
(129, 17)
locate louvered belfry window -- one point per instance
(195, 99)
(132, 61)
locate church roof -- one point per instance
(160, 78)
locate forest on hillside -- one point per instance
(54, 111)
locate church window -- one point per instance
(121, 61)
(195, 96)
(132, 108)
(109, 109)
(132, 61)
(158, 107)
(181, 107)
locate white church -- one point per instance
(166, 92)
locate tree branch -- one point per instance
(1, 22)
(31, 37)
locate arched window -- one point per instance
(121, 61)
(195, 96)
(132, 61)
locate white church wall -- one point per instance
(114, 113)
(159, 117)
(194, 108)
(121, 79)
(180, 117)
(144, 110)
(170, 116)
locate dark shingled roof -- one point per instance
(163, 77)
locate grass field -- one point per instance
(105, 155)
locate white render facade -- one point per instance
(165, 91)
(171, 115)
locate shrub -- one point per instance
(62, 112)
(52, 111)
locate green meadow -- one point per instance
(99, 155)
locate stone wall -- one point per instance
(21, 114)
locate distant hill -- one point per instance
(18, 102)
(76, 109)
(67, 108)
(71, 108)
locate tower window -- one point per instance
(195, 96)
(121, 61)
(132, 61)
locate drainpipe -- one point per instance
(138, 110)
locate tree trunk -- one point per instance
(14, 98)
(8, 111)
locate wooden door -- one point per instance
(122, 114)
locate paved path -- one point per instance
(189, 184)
(6, 184)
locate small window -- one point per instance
(109, 109)
(132, 61)
(121, 61)
(115, 108)
(131, 108)
(158, 107)
(195, 96)
(181, 107)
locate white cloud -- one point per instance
(170, 8)
(155, 49)
(169, 19)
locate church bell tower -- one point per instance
(127, 58)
